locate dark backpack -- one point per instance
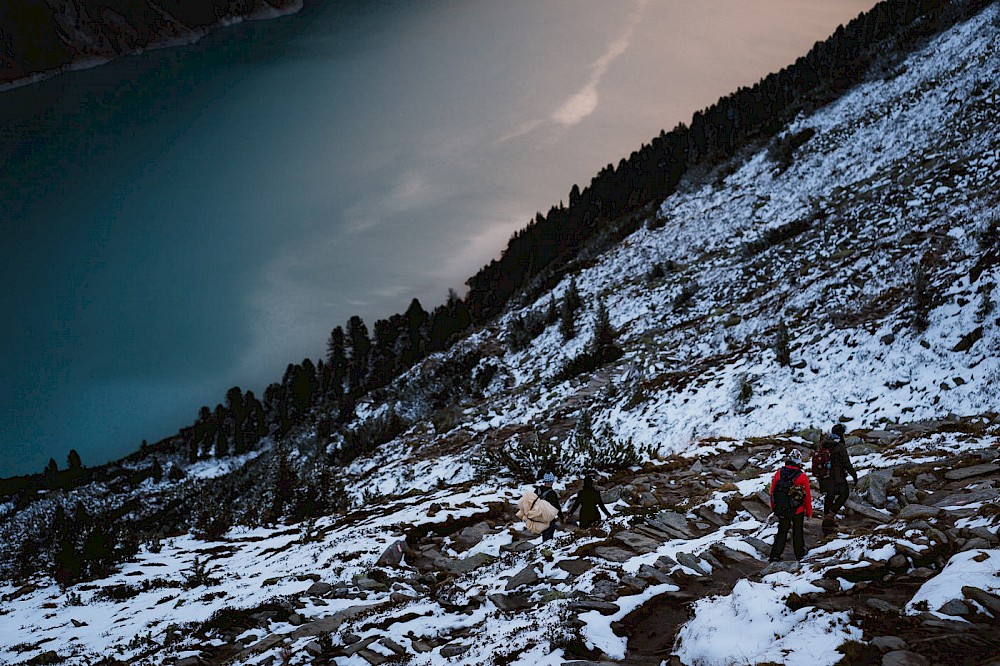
(787, 497)
(821, 462)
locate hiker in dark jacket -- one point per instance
(589, 500)
(796, 484)
(544, 491)
(834, 486)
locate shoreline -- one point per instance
(191, 37)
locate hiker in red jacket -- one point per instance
(791, 502)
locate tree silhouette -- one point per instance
(360, 350)
(73, 461)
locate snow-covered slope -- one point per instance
(875, 250)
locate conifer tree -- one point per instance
(417, 325)
(336, 359)
(551, 311)
(73, 461)
(360, 352)
(567, 321)
(572, 298)
(782, 345)
(603, 345)
(284, 482)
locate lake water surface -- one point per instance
(196, 218)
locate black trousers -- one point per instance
(837, 493)
(798, 538)
(549, 531)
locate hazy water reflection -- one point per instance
(192, 219)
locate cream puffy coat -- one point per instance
(536, 513)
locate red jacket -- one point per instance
(801, 480)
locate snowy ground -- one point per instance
(899, 171)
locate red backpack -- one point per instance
(821, 462)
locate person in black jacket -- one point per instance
(835, 485)
(544, 491)
(589, 501)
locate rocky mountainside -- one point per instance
(844, 273)
(42, 37)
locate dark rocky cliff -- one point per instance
(40, 37)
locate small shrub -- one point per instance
(782, 346)
(522, 330)
(986, 305)
(782, 149)
(522, 457)
(776, 236)
(197, 575)
(685, 297)
(742, 391)
(921, 298)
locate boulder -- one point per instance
(827, 584)
(314, 648)
(954, 607)
(691, 562)
(881, 605)
(373, 658)
(575, 567)
(648, 500)
(899, 562)
(634, 584)
(665, 562)
(762, 547)
(881, 436)
(613, 554)
(790, 566)
(888, 643)
(976, 543)
(863, 449)
(319, 589)
(653, 574)
(370, 585)
(990, 602)
(969, 339)
(968, 472)
(758, 510)
(727, 553)
(454, 650)
(393, 555)
(392, 645)
(470, 563)
(637, 542)
(517, 547)
(917, 511)
(985, 534)
(921, 573)
(470, 536)
(675, 521)
(712, 516)
(813, 435)
(510, 602)
(602, 607)
(525, 576)
(878, 484)
(904, 658)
